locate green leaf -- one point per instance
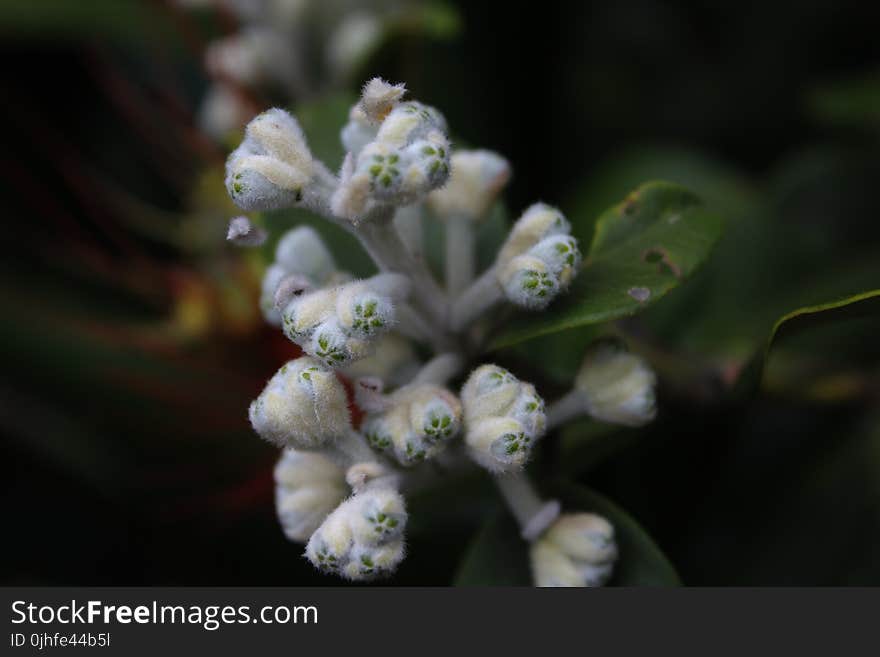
(858, 306)
(642, 248)
(498, 556)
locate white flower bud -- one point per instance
(474, 183)
(538, 222)
(302, 251)
(378, 516)
(363, 537)
(409, 122)
(577, 550)
(528, 282)
(303, 406)
(420, 420)
(499, 444)
(378, 98)
(273, 165)
(617, 386)
(242, 232)
(329, 548)
(307, 488)
(561, 255)
(504, 418)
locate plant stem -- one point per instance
(460, 254)
(532, 513)
(440, 369)
(570, 406)
(483, 293)
(410, 227)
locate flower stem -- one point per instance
(460, 254)
(570, 406)
(440, 369)
(483, 293)
(532, 513)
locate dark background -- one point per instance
(129, 359)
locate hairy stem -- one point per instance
(532, 513)
(461, 257)
(483, 293)
(567, 408)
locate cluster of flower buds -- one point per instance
(363, 537)
(398, 159)
(398, 152)
(577, 550)
(504, 418)
(342, 324)
(415, 423)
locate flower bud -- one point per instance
(393, 360)
(407, 158)
(363, 537)
(561, 255)
(538, 222)
(302, 251)
(273, 165)
(504, 418)
(303, 406)
(420, 420)
(290, 287)
(499, 444)
(474, 183)
(617, 386)
(307, 488)
(528, 282)
(577, 550)
(378, 98)
(341, 324)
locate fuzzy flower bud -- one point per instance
(307, 488)
(577, 550)
(378, 98)
(303, 406)
(539, 258)
(617, 386)
(408, 157)
(538, 222)
(504, 418)
(476, 179)
(273, 166)
(418, 423)
(363, 537)
(339, 325)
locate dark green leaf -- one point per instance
(863, 305)
(642, 248)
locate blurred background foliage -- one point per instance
(132, 342)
